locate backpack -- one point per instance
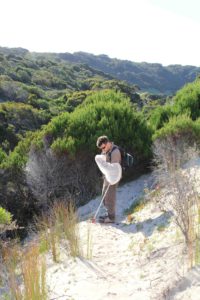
(127, 159)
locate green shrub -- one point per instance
(104, 112)
(136, 206)
(178, 127)
(5, 217)
(18, 157)
(187, 100)
(160, 115)
(57, 125)
(2, 155)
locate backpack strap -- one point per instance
(110, 152)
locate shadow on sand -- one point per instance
(147, 227)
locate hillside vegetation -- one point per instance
(151, 77)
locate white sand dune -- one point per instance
(142, 260)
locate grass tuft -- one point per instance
(60, 224)
(136, 206)
(34, 274)
(89, 243)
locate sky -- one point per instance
(153, 31)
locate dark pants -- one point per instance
(110, 198)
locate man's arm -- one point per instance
(116, 156)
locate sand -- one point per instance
(144, 259)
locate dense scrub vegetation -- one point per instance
(185, 103)
(15, 120)
(102, 112)
(151, 77)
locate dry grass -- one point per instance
(48, 237)
(60, 224)
(34, 274)
(25, 272)
(89, 249)
(67, 223)
(197, 241)
(26, 269)
(11, 256)
(73, 234)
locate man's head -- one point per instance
(104, 143)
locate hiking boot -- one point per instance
(107, 220)
(103, 217)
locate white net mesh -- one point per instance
(112, 171)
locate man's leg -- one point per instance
(110, 199)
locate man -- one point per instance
(113, 155)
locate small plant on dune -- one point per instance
(197, 252)
(89, 243)
(11, 256)
(59, 224)
(136, 206)
(25, 272)
(150, 246)
(44, 244)
(197, 242)
(131, 247)
(11, 253)
(54, 241)
(48, 237)
(66, 222)
(34, 274)
(162, 227)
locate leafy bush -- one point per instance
(24, 75)
(76, 98)
(2, 155)
(16, 119)
(174, 139)
(187, 100)
(5, 217)
(160, 115)
(57, 125)
(179, 126)
(18, 157)
(105, 112)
